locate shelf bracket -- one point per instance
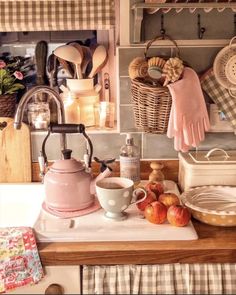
(234, 24)
(138, 18)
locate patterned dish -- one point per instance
(215, 205)
(220, 62)
(230, 70)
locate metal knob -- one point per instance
(54, 289)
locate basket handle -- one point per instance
(231, 41)
(161, 37)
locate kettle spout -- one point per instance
(102, 175)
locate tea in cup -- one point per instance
(116, 194)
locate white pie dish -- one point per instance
(214, 205)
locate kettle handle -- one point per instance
(67, 128)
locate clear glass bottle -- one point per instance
(130, 160)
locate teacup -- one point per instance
(116, 194)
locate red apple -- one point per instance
(149, 199)
(178, 215)
(155, 212)
(156, 187)
(169, 199)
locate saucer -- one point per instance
(70, 214)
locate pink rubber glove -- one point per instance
(179, 144)
(189, 113)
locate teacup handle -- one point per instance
(135, 195)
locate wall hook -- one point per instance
(201, 30)
(162, 30)
(234, 24)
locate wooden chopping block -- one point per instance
(15, 152)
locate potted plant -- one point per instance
(9, 86)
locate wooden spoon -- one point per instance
(81, 52)
(99, 60)
(87, 59)
(41, 51)
(71, 54)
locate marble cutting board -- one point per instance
(95, 227)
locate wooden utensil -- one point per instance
(15, 155)
(107, 87)
(110, 107)
(99, 60)
(41, 51)
(51, 70)
(71, 54)
(52, 64)
(80, 50)
(86, 60)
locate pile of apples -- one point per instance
(160, 206)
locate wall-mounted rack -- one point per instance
(138, 10)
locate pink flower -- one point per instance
(18, 75)
(2, 64)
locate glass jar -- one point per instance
(39, 115)
(72, 109)
(88, 96)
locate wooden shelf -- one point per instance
(188, 5)
(138, 9)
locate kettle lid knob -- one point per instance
(66, 154)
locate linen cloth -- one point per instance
(220, 95)
(19, 259)
(160, 279)
(56, 15)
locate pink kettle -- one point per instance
(69, 184)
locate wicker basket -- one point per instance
(151, 106)
(7, 105)
(151, 103)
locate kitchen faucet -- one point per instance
(28, 95)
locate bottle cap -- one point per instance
(129, 139)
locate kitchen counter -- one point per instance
(215, 245)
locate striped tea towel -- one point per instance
(220, 95)
(19, 259)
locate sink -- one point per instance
(21, 205)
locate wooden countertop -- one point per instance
(215, 245)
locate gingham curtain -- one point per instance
(160, 279)
(47, 15)
(220, 96)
